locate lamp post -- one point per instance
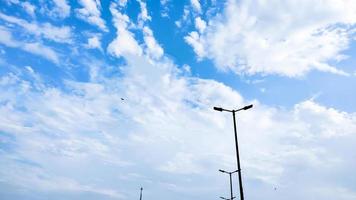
(236, 143)
(141, 193)
(230, 173)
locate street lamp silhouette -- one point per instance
(236, 143)
(230, 173)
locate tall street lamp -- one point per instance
(230, 173)
(236, 143)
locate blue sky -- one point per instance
(66, 133)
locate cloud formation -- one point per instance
(90, 12)
(169, 117)
(30, 47)
(136, 118)
(60, 9)
(61, 34)
(252, 37)
(124, 43)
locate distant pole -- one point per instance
(236, 144)
(230, 174)
(141, 193)
(231, 195)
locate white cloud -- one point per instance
(37, 179)
(143, 16)
(41, 50)
(196, 5)
(164, 2)
(58, 34)
(94, 42)
(6, 38)
(12, 1)
(195, 41)
(164, 8)
(122, 3)
(331, 123)
(33, 47)
(345, 193)
(169, 117)
(153, 48)
(200, 25)
(165, 125)
(61, 9)
(184, 19)
(91, 13)
(124, 43)
(182, 163)
(278, 37)
(29, 8)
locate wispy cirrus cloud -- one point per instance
(36, 48)
(27, 6)
(91, 13)
(61, 34)
(60, 9)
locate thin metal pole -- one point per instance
(238, 158)
(141, 194)
(231, 186)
